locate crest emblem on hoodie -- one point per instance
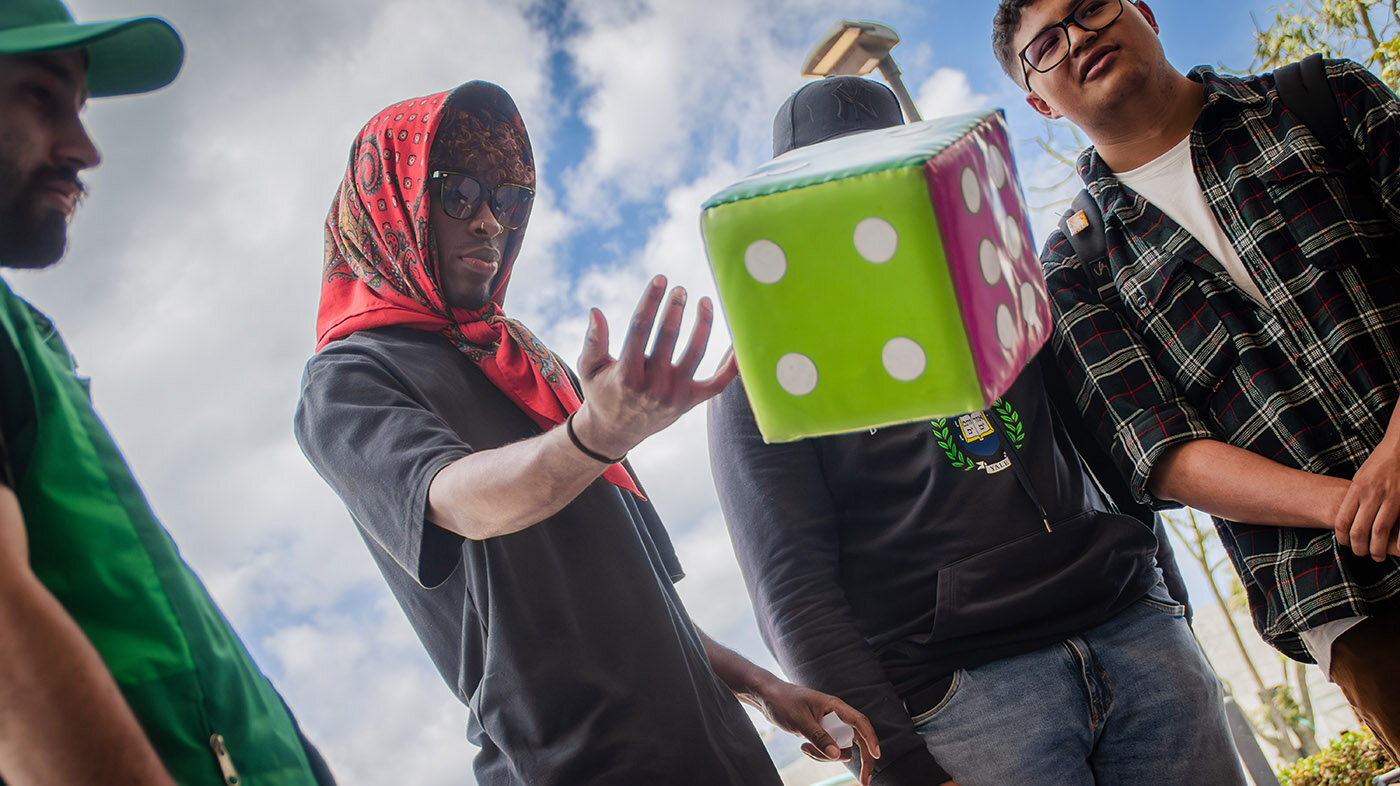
(972, 441)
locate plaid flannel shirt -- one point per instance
(1161, 347)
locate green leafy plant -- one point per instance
(1352, 759)
(1367, 31)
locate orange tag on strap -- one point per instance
(1077, 223)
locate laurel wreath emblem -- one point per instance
(950, 448)
(1010, 421)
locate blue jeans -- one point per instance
(1131, 702)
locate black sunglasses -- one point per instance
(1050, 46)
(461, 195)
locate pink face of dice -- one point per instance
(981, 217)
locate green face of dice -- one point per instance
(859, 283)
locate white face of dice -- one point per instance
(875, 240)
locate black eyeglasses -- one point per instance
(461, 195)
(1051, 46)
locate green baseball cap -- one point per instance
(124, 55)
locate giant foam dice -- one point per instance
(879, 278)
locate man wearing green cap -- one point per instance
(116, 667)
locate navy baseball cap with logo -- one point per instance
(124, 55)
(835, 106)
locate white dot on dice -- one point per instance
(904, 359)
(996, 167)
(989, 259)
(1030, 303)
(1006, 326)
(1011, 236)
(765, 261)
(797, 374)
(875, 240)
(971, 190)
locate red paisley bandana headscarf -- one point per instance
(381, 266)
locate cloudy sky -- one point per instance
(190, 290)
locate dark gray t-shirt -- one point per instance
(567, 639)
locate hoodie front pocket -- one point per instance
(1046, 581)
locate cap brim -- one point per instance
(124, 57)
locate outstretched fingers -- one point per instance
(670, 328)
(728, 369)
(632, 359)
(594, 357)
(699, 337)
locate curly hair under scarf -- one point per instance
(490, 148)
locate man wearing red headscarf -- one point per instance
(489, 483)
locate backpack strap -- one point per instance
(1082, 226)
(1304, 90)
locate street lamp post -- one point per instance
(855, 49)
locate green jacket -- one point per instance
(97, 546)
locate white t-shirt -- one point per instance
(1169, 182)
(1319, 641)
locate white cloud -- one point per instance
(673, 83)
(377, 709)
(948, 92)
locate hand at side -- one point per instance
(1366, 518)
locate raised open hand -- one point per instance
(629, 398)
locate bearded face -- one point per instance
(43, 146)
(33, 233)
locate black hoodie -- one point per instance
(879, 562)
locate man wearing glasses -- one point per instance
(1237, 350)
(490, 485)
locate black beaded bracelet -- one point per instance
(578, 443)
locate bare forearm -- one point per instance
(745, 678)
(62, 718)
(1238, 485)
(503, 490)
